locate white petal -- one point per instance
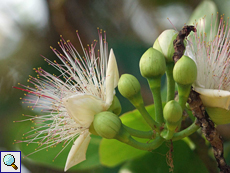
(165, 40)
(188, 51)
(83, 107)
(77, 153)
(214, 98)
(112, 77)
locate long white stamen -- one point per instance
(77, 75)
(212, 57)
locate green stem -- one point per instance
(138, 102)
(183, 92)
(144, 146)
(153, 124)
(186, 132)
(167, 134)
(140, 134)
(170, 81)
(125, 137)
(155, 86)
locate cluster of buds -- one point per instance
(154, 63)
(204, 68)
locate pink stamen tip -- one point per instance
(29, 91)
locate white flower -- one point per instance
(213, 65)
(84, 87)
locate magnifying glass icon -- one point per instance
(9, 160)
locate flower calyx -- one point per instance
(185, 71)
(184, 74)
(130, 88)
(107, 124)
(172, 114)
(152, 64)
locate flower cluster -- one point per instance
(80, 99)
(212, 56)
(69, 101)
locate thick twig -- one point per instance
(198, 110)
(209, 130)
(178, 43)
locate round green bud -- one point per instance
(152, 64)
(172, 114)
(128, 86)
(164, 44)
(115, 106)
(185, 71)
(107, 124)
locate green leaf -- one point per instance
(184, 160)
(227, 151)
(135, 120)
(113, 152)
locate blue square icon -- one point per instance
(10, 161)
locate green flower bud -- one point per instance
(185, 71)
(184, 74)
(172, 114)
(129, 86)
(164, 44)
(152, 64)
(115, 106)
(107, 124)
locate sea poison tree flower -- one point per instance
(212, 57)
(70, 100)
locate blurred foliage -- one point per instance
(159, 161)
(131, 27)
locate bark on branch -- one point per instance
(209, 130)
(178, 43)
